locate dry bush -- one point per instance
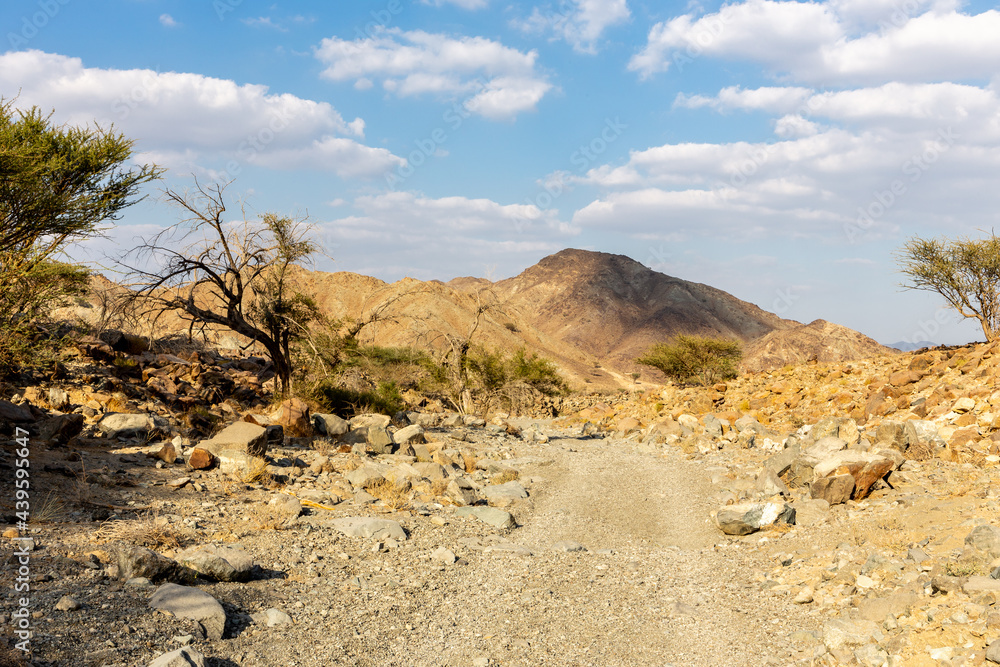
(257, 473)
(149, 531)
(883, 533)
(393, 496)
(267, 517)
(509, 475)
(469, 462)
(968, 565)
(51, 510)
(439, 487)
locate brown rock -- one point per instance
(872, 472)
(200, 459)
(835, 489)
(294, 417)
(167, 453)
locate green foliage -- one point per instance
(966, 272)
(695, 359)
(492, 370)
(58, 185)
(385, 399)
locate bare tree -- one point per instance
(234, 275)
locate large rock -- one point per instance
(330, 425)
(60, 429)
(218, 563)
(123, 425)
(359, 526)
(985, 538)
(822, 449)
(890, 434)
(489, 515)
(921, 439)
(366, 475)
(461, 491)
(842, 633)
(811, 512)
(865, 468)
(835, 489)
(409, 435)
(237, 445)
(141, 562)
(182, 657)
(747, 518)
(191, 603)
(293, 416)
(379, 441)
(14, 413)
(508, 491)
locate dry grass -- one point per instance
(149, 531)
(267, 517)
(51, 510)
(258, 473)
(469, 462)
(884, 533)
(967, 566)
(509, 475)
(392, 495)
(439, 487)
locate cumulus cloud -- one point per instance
(477, 234)
(833, 41)
(581, 23)
(186, 119)
(497, 81)
(167, 21)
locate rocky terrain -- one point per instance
(592, 313)
(821, 514)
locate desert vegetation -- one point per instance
(695, 359)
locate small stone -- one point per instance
(167, 453)
(12, 533)
(804, 596)
(568, 546)
(179, 482)
(200, 459)
(993, 651)
(272, 618)
(490, 515)
(381, 529)
(66, 603)
(443, 555)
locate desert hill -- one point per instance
(592, 313)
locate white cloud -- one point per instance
(408, 226)
(772, 98)
(167, 21)
(580, 22)
(499, 82)
(186, 119)
(833, 41)
(264, 22)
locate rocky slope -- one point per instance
(592, 313)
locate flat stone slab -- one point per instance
(491, 515)
(981, 585)
(363, 526)
(182, 657)
(191, 603)
(511, 490)
(218, 563)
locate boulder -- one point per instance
(985, 538)
(331, 426)
(191, 603)
(141, 562)
(60, 429)
(293, 416)
(379, 440)
(461, 491)
(14, 413)
(489, 515)
(822, 449)
(358, 526)
(890, 434)
(185, 656)
(237, 445)
(272, 618)
(508, 491)
(769, 484)
(409, 435)
(200, 459)
(834, 489)
(921, 439)
(746, 518)
(122, 425)
(218, 563)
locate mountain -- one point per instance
(904, 346)
(592, 313)
(819, 340)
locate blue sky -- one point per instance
(781, 151)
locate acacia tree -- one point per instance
(695, 359)
(234, 275)
(966, 272)
(58, 185)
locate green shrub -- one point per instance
(695, 359)
(386, 399)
